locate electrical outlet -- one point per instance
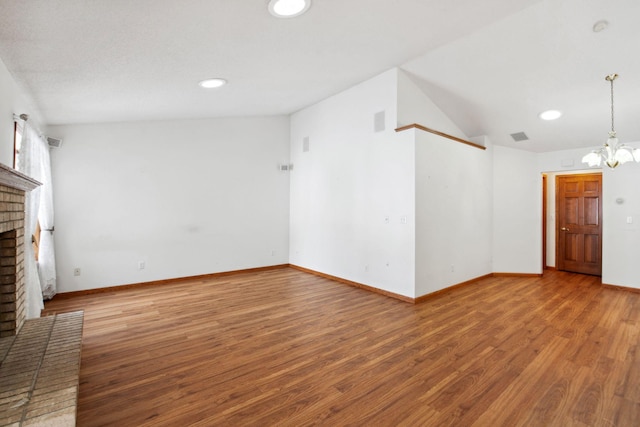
(141, 265)
(76, 271)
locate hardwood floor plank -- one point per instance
(287, 348)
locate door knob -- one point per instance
(564, 229)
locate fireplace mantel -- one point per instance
(14, 179)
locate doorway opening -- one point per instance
(572, 228)
(581, 245)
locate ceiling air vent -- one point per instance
(519, 136)
(54, 142)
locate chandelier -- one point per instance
(612, 153)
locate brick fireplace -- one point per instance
(13, 187)
(39, 358)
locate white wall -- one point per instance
(111, 182)
(185, 197)
(454, 197)
(348, 182)
(517, 210)
(12, 101)
(621, 240)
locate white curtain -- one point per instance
(46, 257)
(40, 277)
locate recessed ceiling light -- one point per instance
(212, 83)
(600, 25)
(550, 115)
(288, 8)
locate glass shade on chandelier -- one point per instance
(613, 153)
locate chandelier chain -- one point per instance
(612, 128)
(613, 153)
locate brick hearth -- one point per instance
(39, 371)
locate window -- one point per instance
(17, 144)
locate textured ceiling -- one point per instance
(497, 80)
(492, 65)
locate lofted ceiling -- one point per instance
(491, 65)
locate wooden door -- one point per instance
(579, 223)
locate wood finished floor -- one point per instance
(287, 348)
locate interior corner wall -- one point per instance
(517, 210)
(454, 212)
(352, 188)
(184, 198)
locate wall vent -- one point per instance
(519, 136)
(54, 142)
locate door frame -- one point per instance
(545, 182)
(557, 220)
(548, 203)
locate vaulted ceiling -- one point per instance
(491, 65)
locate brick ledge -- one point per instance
(39, 372)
